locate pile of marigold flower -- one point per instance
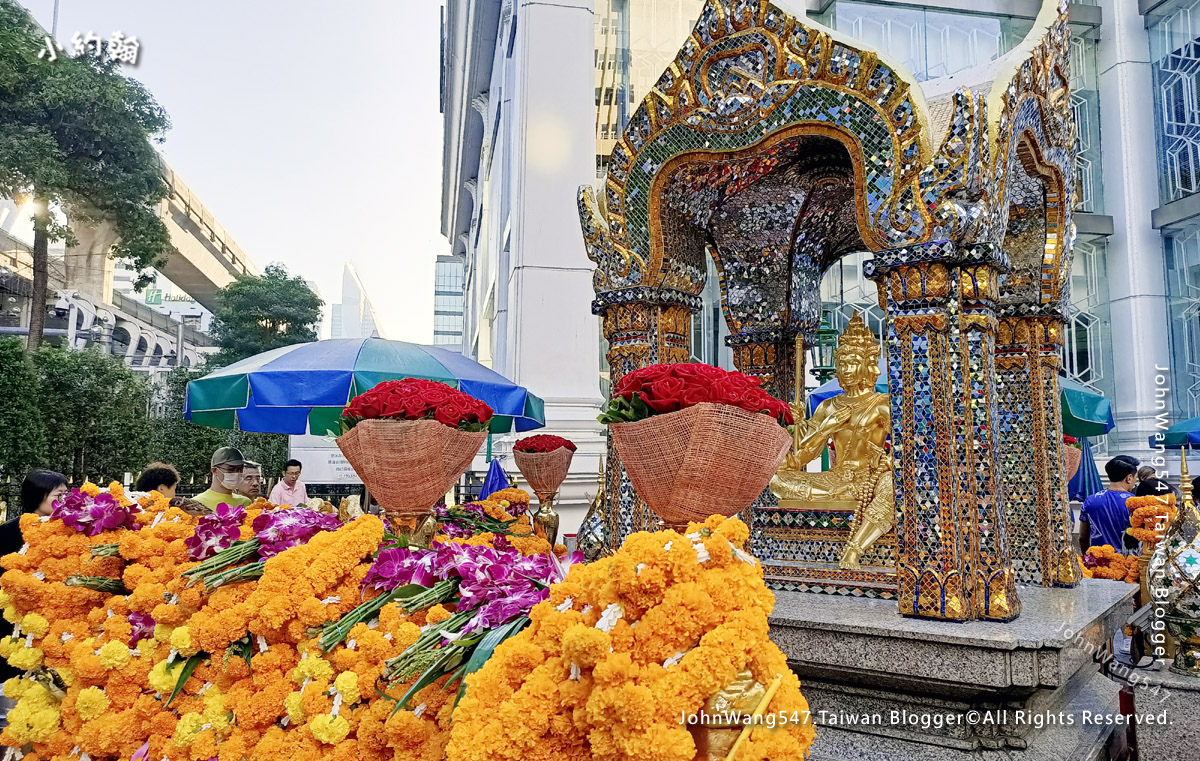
(627, 646)
(127, 656)
(1104, 562)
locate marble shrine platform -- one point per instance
(882, 686)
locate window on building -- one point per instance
(1175, 63)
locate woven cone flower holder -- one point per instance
(1072, 457)
(544, 471)
(409, 464)
(708, 458)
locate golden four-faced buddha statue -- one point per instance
(858, 422)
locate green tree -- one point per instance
(77, 135)
(97, 412)
(179, 441)
(22, 435)
(189, 447)
(259, 313)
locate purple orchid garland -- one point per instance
(95, 515)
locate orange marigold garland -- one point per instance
(1150, 516)
(174, 669)
(627, 645)
(106, 674)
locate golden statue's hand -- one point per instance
(798, 412)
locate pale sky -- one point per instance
(310, 130)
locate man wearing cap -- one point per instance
(227, 465)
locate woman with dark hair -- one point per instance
(1153, 487)
(39, 491)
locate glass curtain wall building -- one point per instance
(449, 282)
(1174, 30)
(637, 39)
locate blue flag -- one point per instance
(494, 481)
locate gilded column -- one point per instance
(952, 559)
(976, 397)
(1032, 467)
(770, 356)
(642, 329)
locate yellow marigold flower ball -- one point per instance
(35, 717)
(294, 703)
(161, 679)
(15, 687)
(90, 703)
(584, 645)
(312, 668)
(436, 614)
(6, 599)
(26, 658)
(329, 729)
(90, 488)
(35, 624)
(181, 640)
(214, 707)
(7, 646)
(162, 632)
(67, 675)
(188, 727)
(11, 615)
(347, 684)
(114, 655)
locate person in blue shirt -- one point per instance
(1104, 517)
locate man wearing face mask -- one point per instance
(227, 466)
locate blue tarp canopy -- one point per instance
(1180, 435)
(303, 388)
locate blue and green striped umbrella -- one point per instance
(303, 388)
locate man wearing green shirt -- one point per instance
(227, 465)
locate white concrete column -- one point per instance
(555, 346)
(1136, 274)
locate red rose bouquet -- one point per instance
(544, 460)
(660, 389)
(1072, 456)
(695, 439)
(417, 399)
(409, 441)
(543, 443)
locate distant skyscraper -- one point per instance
(354, 317)
(448, 286)
(323, 325)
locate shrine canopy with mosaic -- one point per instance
(775, 147)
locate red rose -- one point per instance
(372, 406)
(436, 393)
(639, 378)
(694, 394)
(728, 390)
(393, 406)
(414, 408)
(664, 394)
(449, 413)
